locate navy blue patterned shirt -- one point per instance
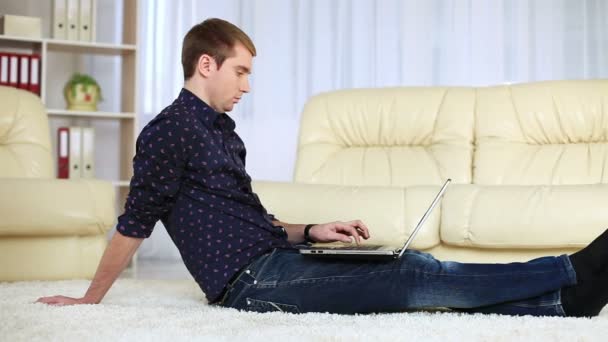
(189, 172)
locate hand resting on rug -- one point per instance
(114, 260)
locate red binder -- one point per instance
(34, 82)
(63, 152)
(4, 63)
(24, 72)
(13, 70)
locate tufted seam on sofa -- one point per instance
(603, 179)
(517, 115)
(473, 142)
(439, 109)
(427, 148)
(435, 160)
(404, 219)
(332, 125)
(559, 120)
(362, 162)
(467, 227)
(391, 174)
(15, 157)
(392, 109)
(323, 163)
(557, 163)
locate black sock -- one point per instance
(587, 298)
(592, 258)
(590, 294)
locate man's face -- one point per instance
(231, 81)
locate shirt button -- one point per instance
(248, 272)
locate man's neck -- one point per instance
(199, 92)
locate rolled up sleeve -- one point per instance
(158, 166)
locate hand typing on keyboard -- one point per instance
(339, 231)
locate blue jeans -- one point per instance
(284, 280)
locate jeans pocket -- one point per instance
(257, 305)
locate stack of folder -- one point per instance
(74, 20)
(20, 71)
(76, 152)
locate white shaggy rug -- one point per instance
(175, 310)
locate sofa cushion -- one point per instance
(54, 207)
(390, 213)
(390, 136)
(542, 133)
(523, 217)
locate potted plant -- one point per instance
(82, 92)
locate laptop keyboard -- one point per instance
(357, 248)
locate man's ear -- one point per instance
(206, 64)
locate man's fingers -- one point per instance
(345, 238)
(342, 231)
(338, 236)
(351, 231)
(55, 300)
(49, 301)
(354, 232)
(363, 228)
(360, 227)
(45, 300)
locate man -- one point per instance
(189, 172)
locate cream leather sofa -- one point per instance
(529, 164)
(49, 228)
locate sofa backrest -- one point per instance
(553, 132)
(387, 137)
(24, 136)
(542, 133)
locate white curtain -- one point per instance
(310, 46)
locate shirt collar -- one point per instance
(204, 112)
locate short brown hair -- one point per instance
(214, 37)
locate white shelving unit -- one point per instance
(125, 116)
(127, 51)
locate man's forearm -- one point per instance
(295, 232)
(115, 258)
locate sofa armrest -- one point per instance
(55, 207)
(390, 213)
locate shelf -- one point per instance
(13, 43)
(91, 115)
(73, 46)
(88, 47)
(21, 39)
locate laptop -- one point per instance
(373, 252)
